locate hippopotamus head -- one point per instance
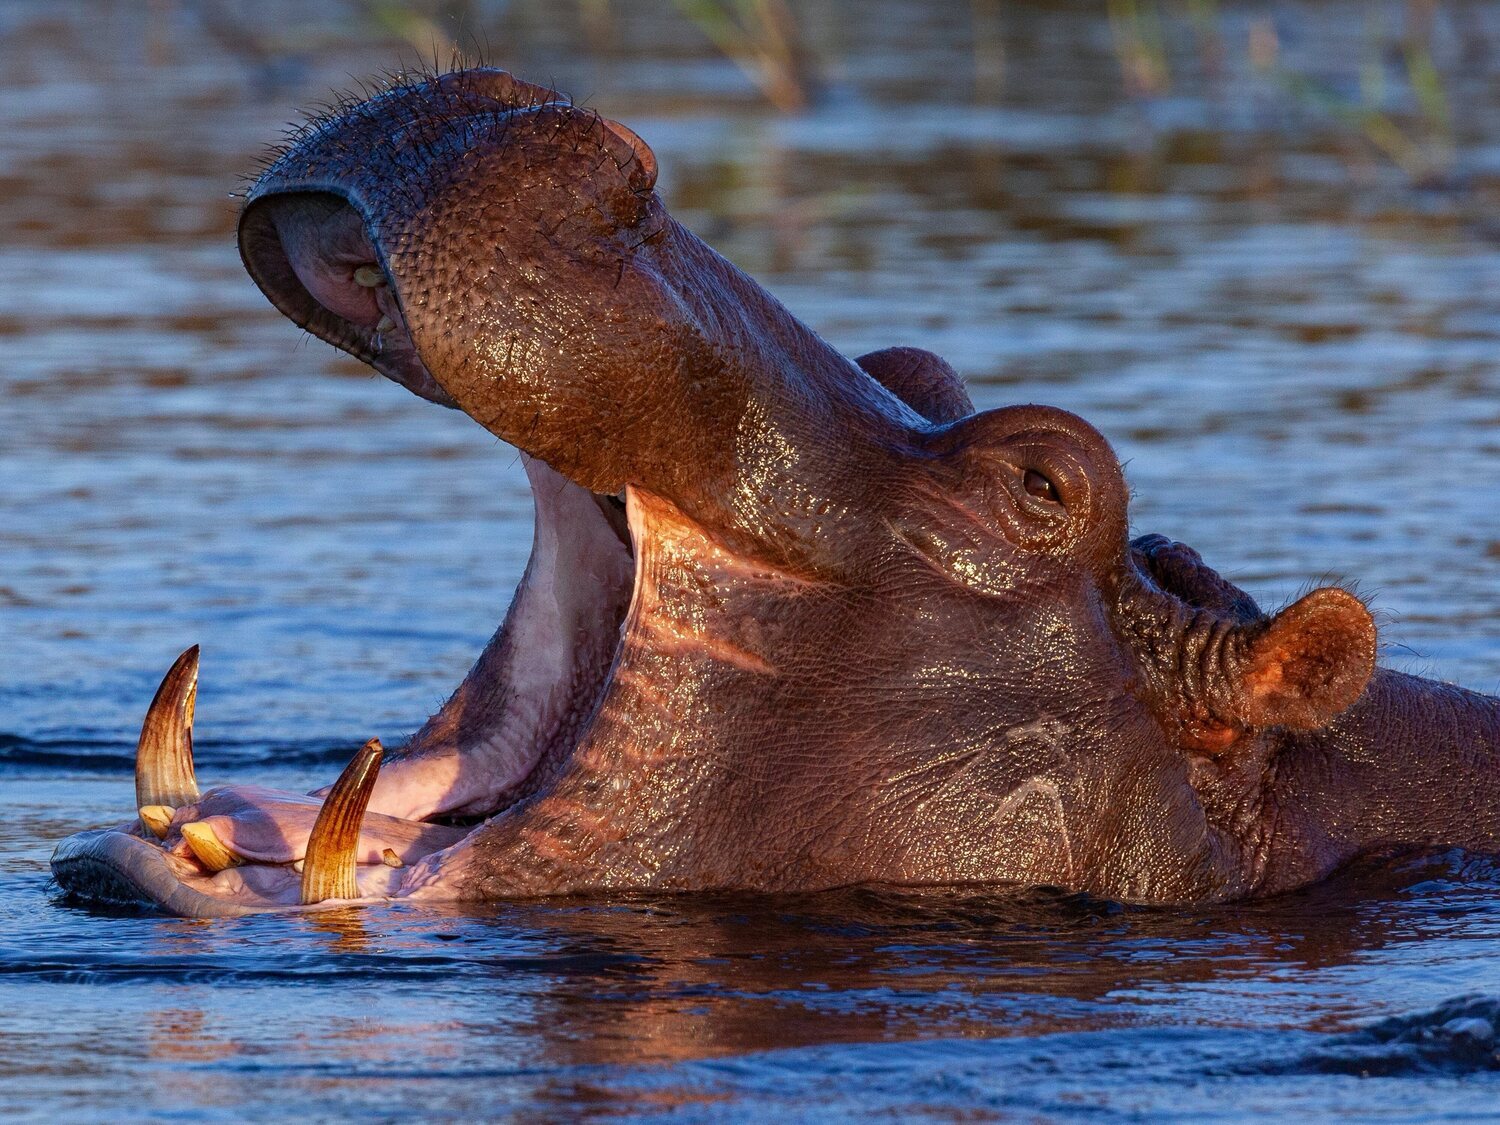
(790, 621)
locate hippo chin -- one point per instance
(790, 622)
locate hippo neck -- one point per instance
(1414, 763)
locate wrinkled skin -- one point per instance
(840, 630)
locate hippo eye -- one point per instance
(1040, 487)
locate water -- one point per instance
(1291, 339)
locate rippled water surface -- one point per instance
(1289, 330)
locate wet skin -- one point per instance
(791, 622)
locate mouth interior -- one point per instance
(528, 701)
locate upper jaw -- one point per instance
(329, 167)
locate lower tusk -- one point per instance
(385, 325)
(329, 868)
(210, 851)
(369, 276)
(156, 819)
(164, 755)
(391, 859)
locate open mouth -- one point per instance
(528, 701)
(503, 737)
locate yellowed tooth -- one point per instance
(385, 325)
(164, 754)
(207, 847)
(391, 859)
(156, 819)
(329, 868)
(369, 276)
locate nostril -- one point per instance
(329, 250)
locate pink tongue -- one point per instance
(325, 242)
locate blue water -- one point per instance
(1291, 337)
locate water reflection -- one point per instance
(544, 1002)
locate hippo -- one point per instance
(791, 622)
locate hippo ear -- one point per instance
(1307, 664)
(925, 382)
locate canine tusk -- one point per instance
(369, 276)
(385, 325)
(391, 859)
(207, 847)
(328, 870)
(164, 755)
(156, 819)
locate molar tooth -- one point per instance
(385, 325)
(156, 819)
(164, 754)
(329, 867)
(370, 277)
(209, 849)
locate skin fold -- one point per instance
(792, 622)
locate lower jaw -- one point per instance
(506, 734)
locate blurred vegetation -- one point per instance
(761, 36)
(1395, 99)
(1399, 103)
